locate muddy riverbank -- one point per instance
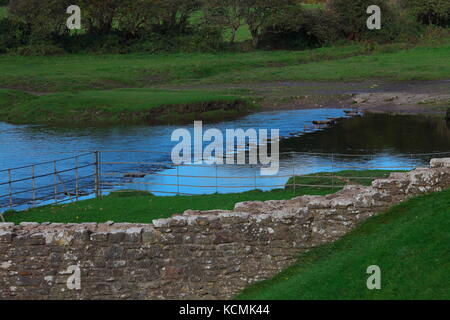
(407, 97)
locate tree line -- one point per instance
(205, 25)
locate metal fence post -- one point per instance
(76, 178)
(97, 174)
(217, 183)
(294, 179)
(178, 180)
(55, 186)
(34, 185)
(332, 172)
(10, 189)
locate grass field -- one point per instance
(354, 62)
(146, 208)
(410, 243)
(117, 106)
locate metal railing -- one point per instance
(55, 181)
(96, 173)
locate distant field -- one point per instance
(355, 62)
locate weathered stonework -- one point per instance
(197, 255)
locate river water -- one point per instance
(375, 141)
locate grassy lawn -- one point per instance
(116, 207)
(416, 64)
(353, 62)
(113, 106)
(410, 243)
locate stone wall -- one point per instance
(196, 255)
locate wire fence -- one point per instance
(96, 173)
(56, 181)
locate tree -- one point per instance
(257, 14)
(175, 14)
(40, 18)
(225, 13)
(137, 17)
(352, 16)
(99, 15)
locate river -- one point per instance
(371, 141)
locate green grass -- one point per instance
(116, 207)
(353, 62)
(338, 179)
(113, 106)
(424, 63)
(242, 34)
(314, 5)
(143, 209)
(410, 243)
(3, 12)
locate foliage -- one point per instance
(39, 49)
(297, 28)
(11, 35)
(123, 26)
(432, 12)
(226, 14)
(40, 18)
(351, 18)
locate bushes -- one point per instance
(12, 35)
(40, 18)
(431, 12)
(343, 20)
(352, 16)
(302, 29)
(40, 49)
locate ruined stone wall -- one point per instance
(197, 255)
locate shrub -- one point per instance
(12, 35)
(42, 18)
(136, 18)
(351, 16)
(302, 29)
(431, 12)
(42, 49)
(93, 43)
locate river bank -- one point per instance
(379, 96)
(121, 107)
(212, 103)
